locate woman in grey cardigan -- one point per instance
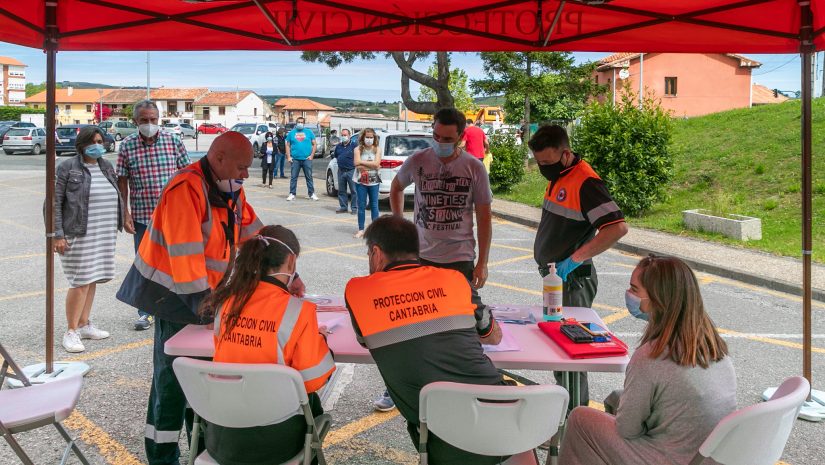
(88, 214)
(679, 383)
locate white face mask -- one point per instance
(230, 185)
(289, 280)
(148, 130)
(368, 141)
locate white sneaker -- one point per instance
(90, 332)
(290, 197)
(313, 197)
(71, 342)
(359, 234)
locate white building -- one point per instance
(12, 82)
(177, 105)
(231, 107)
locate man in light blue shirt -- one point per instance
(300, 148)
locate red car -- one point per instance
(209, 128)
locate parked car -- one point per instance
(209, 128)
(119, 129)
(396, 146)
(6, 125)
(182, 130)
(67, 134)
(255, 132)
(31, 140)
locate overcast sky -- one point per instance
(284, 73)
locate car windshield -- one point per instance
(403, 146)
(66, 132)
(18, 132)
(244, 129)
(169, 125)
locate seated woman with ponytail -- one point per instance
(253, 311)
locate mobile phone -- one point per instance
(594, 329)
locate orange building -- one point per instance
(688, 84)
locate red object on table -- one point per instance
(582, 350)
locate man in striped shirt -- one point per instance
(145, 163)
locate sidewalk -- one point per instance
(749, 266)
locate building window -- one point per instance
(597, 79)
(188, 106)
(68, 108)
(670, 86)
(254, 112)
(173, 107)
(88, 108)
(221, 111)
(77, 121)
(206, 113)
(36, 106)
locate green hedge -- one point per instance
(628, 147)
(507, 168)
(13, 113)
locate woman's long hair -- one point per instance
(679, 325)
(375, 139)
(256, 257)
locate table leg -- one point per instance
(193, 444)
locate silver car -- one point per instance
(182, 130)
(31, 140)
(396, 146)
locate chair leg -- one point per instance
(15, 446)
(193, 444)
(71, 445)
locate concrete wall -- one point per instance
(706, 82)
(338, 122)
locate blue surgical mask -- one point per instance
(230, 185)
(94, 151)
(444, 149)
(345, 139)
(299, 126)
(634, 306)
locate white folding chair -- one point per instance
(756, 435)
(241, 395)
(491, 420)
(33, 406)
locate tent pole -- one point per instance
(50, 47)
(807, 49)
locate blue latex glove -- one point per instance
(565, 267)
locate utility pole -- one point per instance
(147, 76)
(822, 93)
(526, 134)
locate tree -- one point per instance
(537, 86)
(405, 61)
(33, 89)
(101, 116)
(457, 86)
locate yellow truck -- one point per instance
(486, 115)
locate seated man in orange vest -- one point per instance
(419, 324)
(257, 320)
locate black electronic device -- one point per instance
(576, 333)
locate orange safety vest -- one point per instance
(275, 327)
(186, 249)
(562, 196)
(407, 302)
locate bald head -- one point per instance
(230, 156)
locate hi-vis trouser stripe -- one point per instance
(161, 437)
(415, 330)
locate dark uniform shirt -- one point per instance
(576, 205)
(345, 155)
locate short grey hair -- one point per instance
(145, 103)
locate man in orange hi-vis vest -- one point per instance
(200, 218)
(420, 325)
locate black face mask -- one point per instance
(552, 172)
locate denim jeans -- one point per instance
(140, 230)
(280, 159)
(345, 183)
(297, 165)
(364, 192)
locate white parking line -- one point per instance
(745, 335)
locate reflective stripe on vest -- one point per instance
(409, 302)
(153, 274)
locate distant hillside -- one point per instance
(494, 100)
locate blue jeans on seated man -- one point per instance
(297, 166)
(346, 190)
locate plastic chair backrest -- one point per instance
(757, 434)
(241, 395)
(493, 420)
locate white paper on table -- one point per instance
(332, 322)
(508, 343)
(327, 303)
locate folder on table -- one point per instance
(613, 348)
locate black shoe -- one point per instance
(341, 210)
(282, 177)
(354, 212)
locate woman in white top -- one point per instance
(367, 157)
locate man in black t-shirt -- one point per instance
(579, 220)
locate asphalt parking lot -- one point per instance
(762, 327)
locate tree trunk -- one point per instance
(444, 98)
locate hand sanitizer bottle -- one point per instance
(552, 295)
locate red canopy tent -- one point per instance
(745, 26)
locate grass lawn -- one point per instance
(744, 162)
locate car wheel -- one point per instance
(331, 191)
(118, 136)
(8, 152)
(36, 149)
(255, 148)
